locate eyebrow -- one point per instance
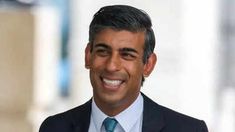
(102, 45)
(125, 49)
(128, 50)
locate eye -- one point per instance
(102, 52)
(128, 56)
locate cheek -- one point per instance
(96, 63)
(135, 70)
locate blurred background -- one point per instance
(42, 70)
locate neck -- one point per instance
(113, 109)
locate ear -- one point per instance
(149, 65)
(87, 56)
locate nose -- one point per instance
(113, 63)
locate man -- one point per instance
(119, 55)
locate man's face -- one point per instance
(116, 68)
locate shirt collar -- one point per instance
(126, 118)
(97, 115)
(131, 115)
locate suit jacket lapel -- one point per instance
(81, 117)
(153, 120)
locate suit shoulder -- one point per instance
(174, 115)
(183, 121)
(71, 113)
(67, 120)
(173, 119)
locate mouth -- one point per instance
(112, 84)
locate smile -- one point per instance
(112, 83)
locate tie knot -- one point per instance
(110, 124)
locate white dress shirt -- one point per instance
(129, 120)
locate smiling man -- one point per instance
(119, 55)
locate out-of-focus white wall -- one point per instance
(46, 60)
(200, 43)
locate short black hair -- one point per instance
(124, 17)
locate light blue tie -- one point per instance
(110, 124)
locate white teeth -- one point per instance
(112, 82)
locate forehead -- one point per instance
(120, 38)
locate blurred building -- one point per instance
(225, 104)
(29, 54)
(17, 27)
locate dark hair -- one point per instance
(124, 17)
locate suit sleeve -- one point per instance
(54, 124)
(202, 127)
(47, 125)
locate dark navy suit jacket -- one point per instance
(156, 118)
